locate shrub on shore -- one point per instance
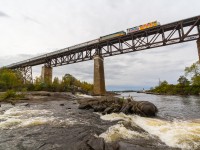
(11, 95)
(12, 80)
(68, 83)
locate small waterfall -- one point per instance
(176, 133)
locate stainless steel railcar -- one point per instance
(110, 36)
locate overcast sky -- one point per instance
(32, 27)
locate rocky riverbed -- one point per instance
(54, 121)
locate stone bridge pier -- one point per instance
(198, 48)
(46, 75)
(99, 79)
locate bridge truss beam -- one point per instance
(198, 48)
(177, 32)
(26, 73)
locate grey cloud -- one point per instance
(2, 14)
(7, 60)
(27, 18)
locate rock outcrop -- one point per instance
(108, 105)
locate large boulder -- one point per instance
(108, 105)
(145, 108)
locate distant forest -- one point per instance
(188, 84)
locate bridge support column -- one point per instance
(99, 79)
(198, 47)
(46, 74)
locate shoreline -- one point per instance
(86, 130)
(154, 93)
(68, 127)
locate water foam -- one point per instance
(118, 131)
(180, 134)
(84, 95)
(25, 112)
(23, 117)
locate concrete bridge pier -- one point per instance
(99, 79)
(198, 47)
(46, 75)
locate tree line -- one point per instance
(188, 84)
(12, 80)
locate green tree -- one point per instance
(70, 83)
(194, 72)
(9, 79)
(38, 85)
(38, 80)
(86, 86)
(182, 86)
(56, 84)
(196, 80)
(183, 81)
(67, 82)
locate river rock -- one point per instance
(126, 108)
(99, 108)
(108, 105)
(24, 104)
(96, 143)
(84, 106)
(116, 108)
(108, 110)
(147, 108)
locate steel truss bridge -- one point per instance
(173, 33)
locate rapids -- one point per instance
(177, 123)
(177, 133)
(57, 123)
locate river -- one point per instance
(56, 123)
(177, 123)
(171, 107)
